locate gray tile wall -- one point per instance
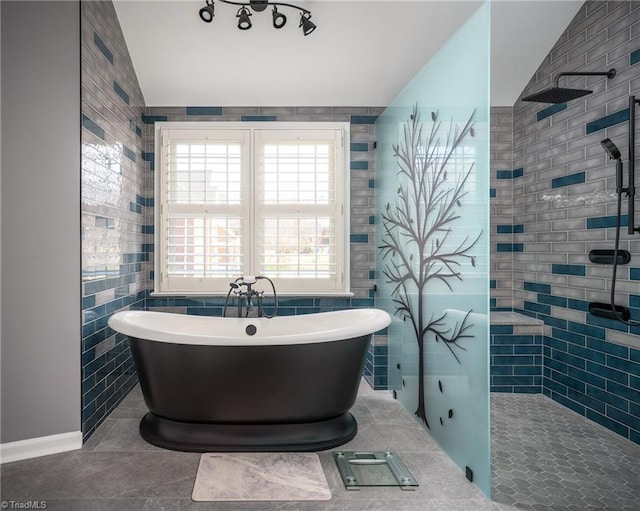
(501, 207)
(113, 209)
(362, 120)
(563, 206)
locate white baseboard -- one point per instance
(41, 446)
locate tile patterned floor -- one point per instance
(118, 471)
(546, 458)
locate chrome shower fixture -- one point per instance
(279, 20)
(557, 94)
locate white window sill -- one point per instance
(165, 294)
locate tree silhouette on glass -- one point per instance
(418, 244)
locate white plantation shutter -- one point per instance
(247, 200)
(298, 208)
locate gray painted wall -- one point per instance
(40, 219)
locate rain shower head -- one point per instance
(557, 94)
(611, 149)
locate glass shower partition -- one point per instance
(432, 233)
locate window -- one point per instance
(239, 199)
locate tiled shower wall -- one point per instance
(113, 209)
(501, 208)
(564, 204)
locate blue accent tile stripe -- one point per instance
(492, 284)
(129, 153)
(510, 247)
(363, 119)
(510, 229)
(607, 121)
(603, 222)
(359, 165)
(204, 110)
(135, 128)
(509, 174)
(121, 92)
(359, 238)
(580, 305)
(103, 47)
(550, 110)
(634, 273)
(372, 183)
(492, 192)
(537, 288)
(634, 57)
(93, 127)
(258, 118)
(558, 301)
(372, 220)
(360, 146)
(536, 307)
(569, 269)
(571, 179)
(150, 119)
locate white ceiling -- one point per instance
(362, 54)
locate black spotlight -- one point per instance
(279, 19)
(244, 23)
(307, 25)
(206, 13)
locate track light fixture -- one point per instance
(207, 14)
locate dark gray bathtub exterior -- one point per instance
(249, 398)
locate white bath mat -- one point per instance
(260, 476)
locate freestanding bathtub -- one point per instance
(249, 384)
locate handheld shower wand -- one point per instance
(614, 154)
(612, 310)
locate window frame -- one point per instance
(343, 192)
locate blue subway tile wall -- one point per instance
(566, 201)
(376, 369)
(112, 223)
(515, 361)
